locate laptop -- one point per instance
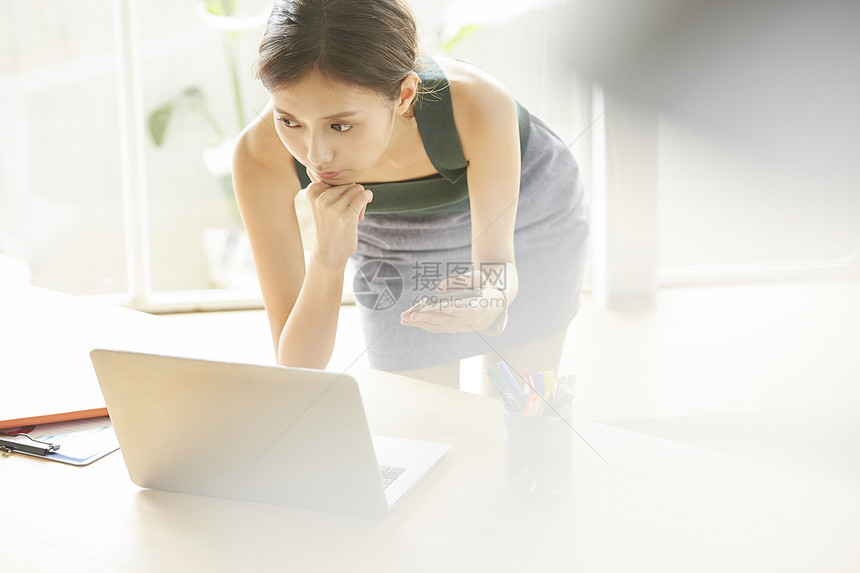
(271, 434)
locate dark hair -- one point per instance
(368, 43)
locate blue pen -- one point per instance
(537, 377)
(512, 384)
(501, 388)
(513, 404)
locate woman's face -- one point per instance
(337, 130)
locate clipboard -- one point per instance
(46, 375)
(78, 442)
(53, 418)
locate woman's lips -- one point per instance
(327, 174)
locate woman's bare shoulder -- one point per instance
(480, 101)
(470, 82)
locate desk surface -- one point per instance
(656, 506)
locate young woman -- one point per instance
(413, 166)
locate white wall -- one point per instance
(726, 213)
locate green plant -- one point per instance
(191, 98)
(216, 14)
(461, 34)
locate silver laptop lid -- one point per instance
(271, 434)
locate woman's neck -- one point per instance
(404, 157)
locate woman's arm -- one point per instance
(302, 306)
(486, 118)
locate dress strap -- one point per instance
(434, 114)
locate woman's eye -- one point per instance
(287, 122)
(341, 127)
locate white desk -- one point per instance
(659, 506)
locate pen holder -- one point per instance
(539, 452)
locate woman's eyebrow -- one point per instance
(341, 115)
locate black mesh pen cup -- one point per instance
(539, 452)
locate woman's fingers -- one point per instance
(437, 327)
(351, 196)
(344, 198)
(445, 320)
(462, 315)
(360, 200)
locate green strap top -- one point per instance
(446, 190)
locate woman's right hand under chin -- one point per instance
(336, 210)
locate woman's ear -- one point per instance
(408, 92)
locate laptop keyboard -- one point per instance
(389, 474)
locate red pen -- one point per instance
(532, 405)
(529, 383)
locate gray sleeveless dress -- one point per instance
(418, 232)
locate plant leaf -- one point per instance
(461, 35)
(214, 7)
(158, 123)
(194, 93)
(220, 7)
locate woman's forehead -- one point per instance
(316, 95)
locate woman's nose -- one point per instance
(319, 152)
